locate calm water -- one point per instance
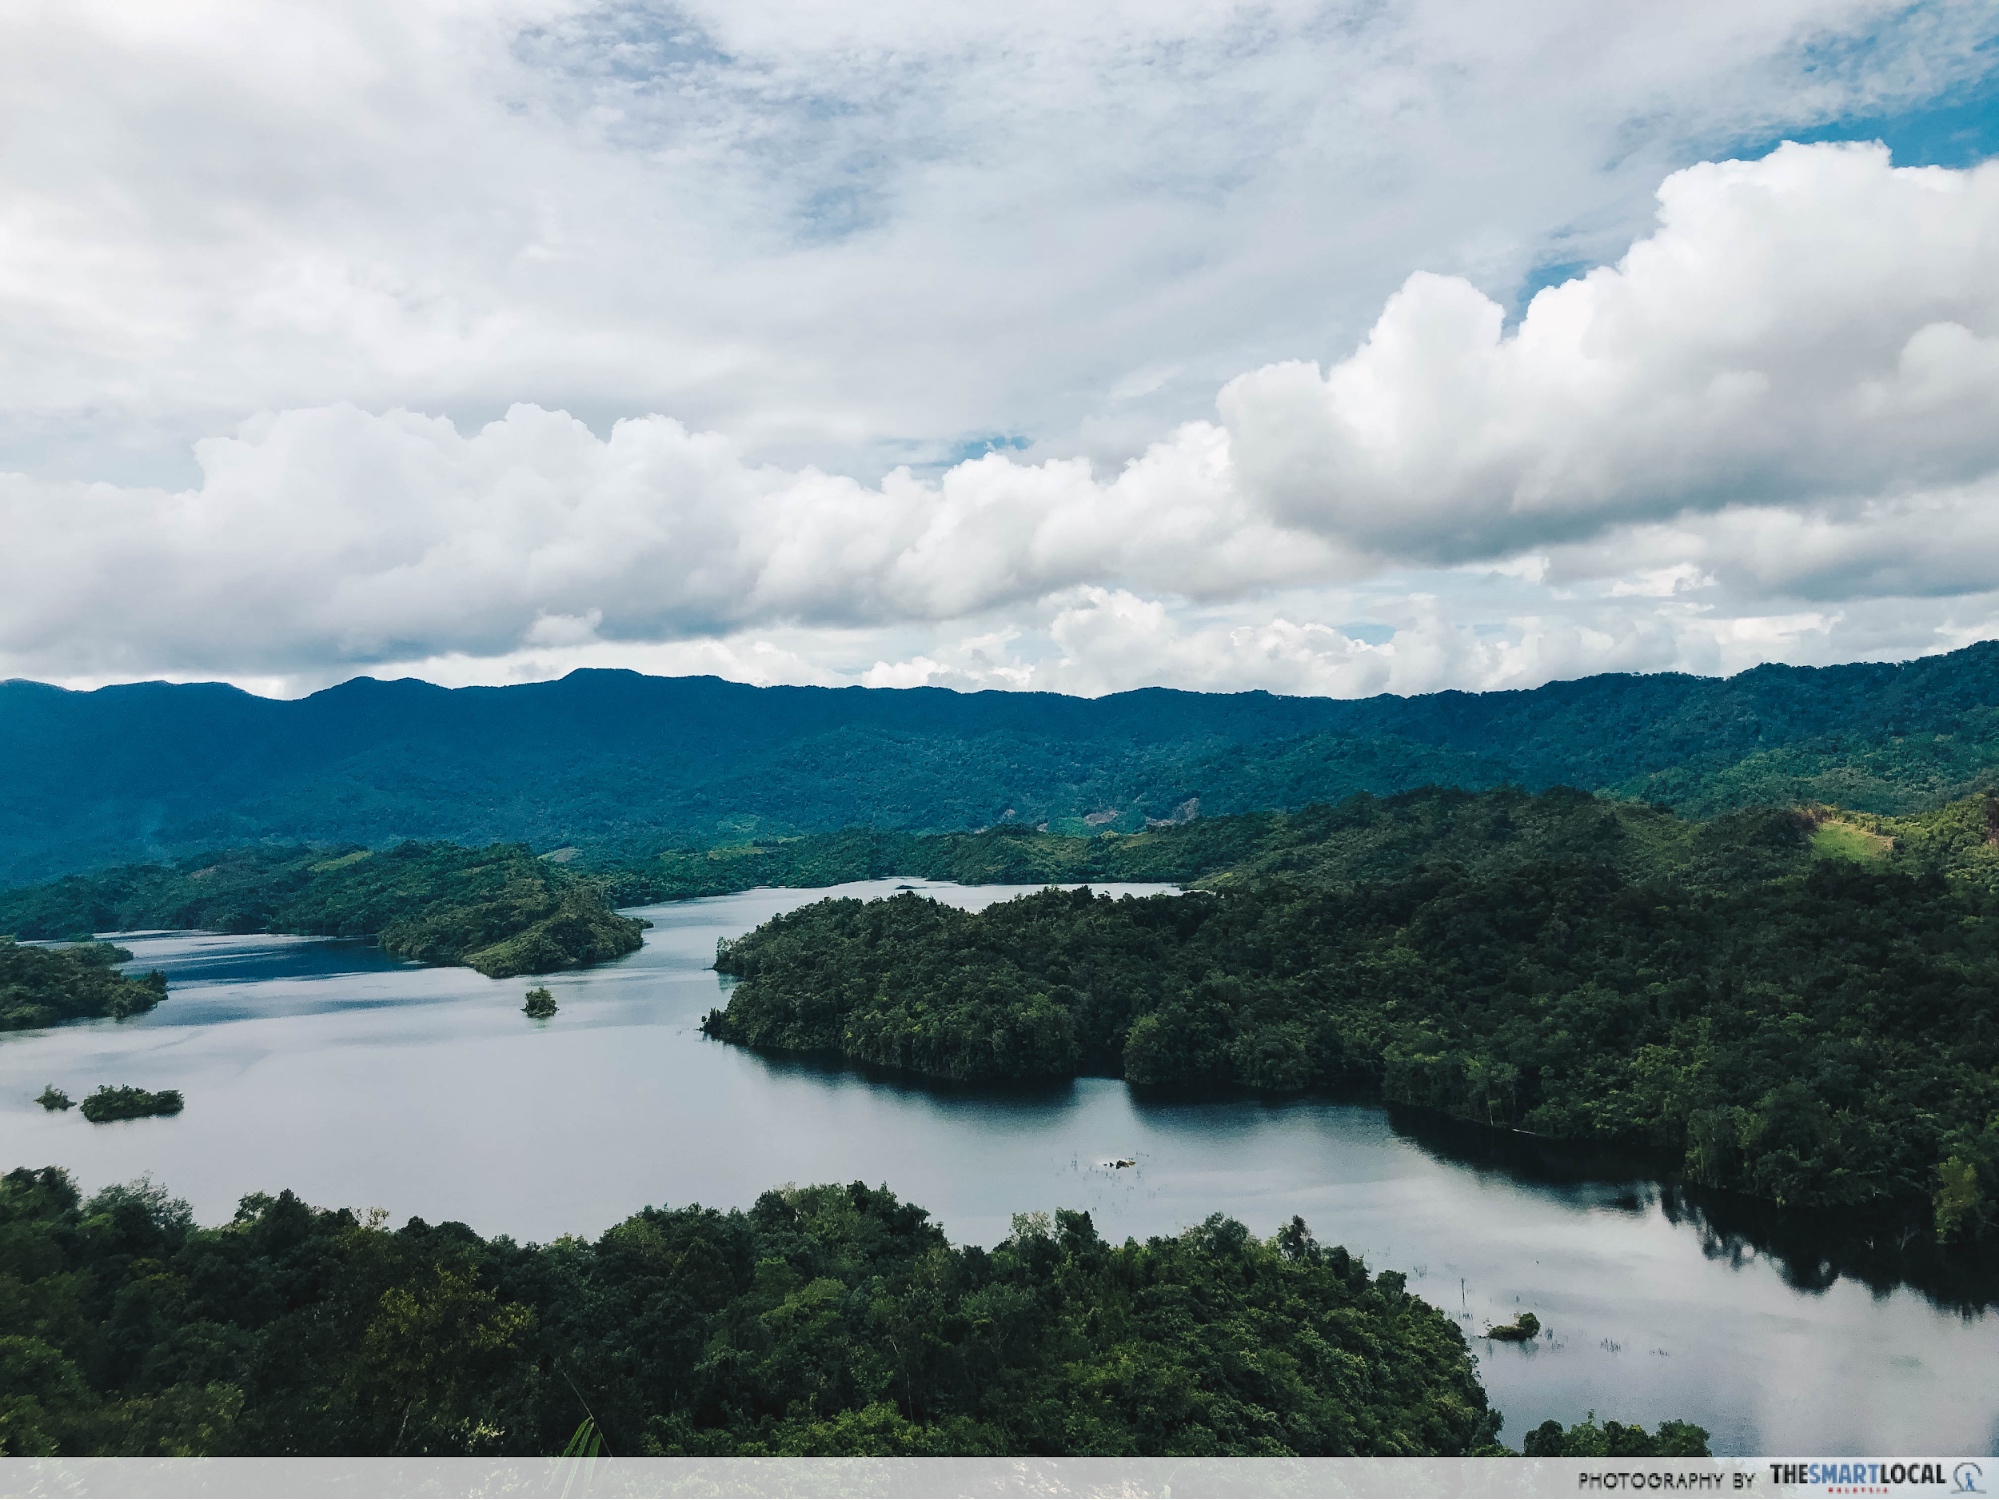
(358, 1080)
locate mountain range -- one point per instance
(612, 761)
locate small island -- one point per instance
(109, 1103)
(541, 1004)
(1522, 1330)
(53, 1098)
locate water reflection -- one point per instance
(1815, 1251)
(359, 1080)
(1811, 1250)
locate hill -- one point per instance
(1796, 1005)
(42, 986)
(498, 910)
(615, 763)
(1360, 837)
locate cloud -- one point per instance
(1111, 640)
(1769, 427)
(848, 236)
(1929, 544)
(333, 535)
(1782, 399)
(1812, 329)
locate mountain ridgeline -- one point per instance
(620, 764)
(1795, 1005)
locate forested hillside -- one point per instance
(1006, 855)
(1363, 835)
(499, 910)
(825, 1320)
(1805, 1010)
(43, 986)
(621, 765)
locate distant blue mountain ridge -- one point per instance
(615, 762)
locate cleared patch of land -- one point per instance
(1833, 839)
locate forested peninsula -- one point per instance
(824, 1320)
(1792, 1004)
(498, 909)
(44, 986)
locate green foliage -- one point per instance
(1959, 841)
(1869, 766)
(53, 1098)
(1968, 1182)
(499, 909)
(44, 986)
(1805, 1030)
(823, 1320)
(1005, 855)
(581, 931)
(540, 1003)
(1522, 1330)
(1839, 839)
(1960, 1199)
(1615, 1440)
(1364, 837)
(109, 1103)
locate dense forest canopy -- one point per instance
(1007, 855)
(824, 1320)
(1361, 837)
(499, 909)
(620, 765)
(44, 986)
(1801, 1009)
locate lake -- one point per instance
(358, 1080)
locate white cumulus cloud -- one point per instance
(334, 535)
(1771, 426)
(1814, 328)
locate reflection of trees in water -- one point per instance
(1814, 1249)
(832, 1068)
(1810, 1249)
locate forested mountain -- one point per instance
(824, 1320)
(1802, 1009)
(621, 763)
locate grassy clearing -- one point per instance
(1836, 840)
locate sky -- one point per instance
(1324, 348)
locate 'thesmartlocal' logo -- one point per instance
(1877, 1476)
